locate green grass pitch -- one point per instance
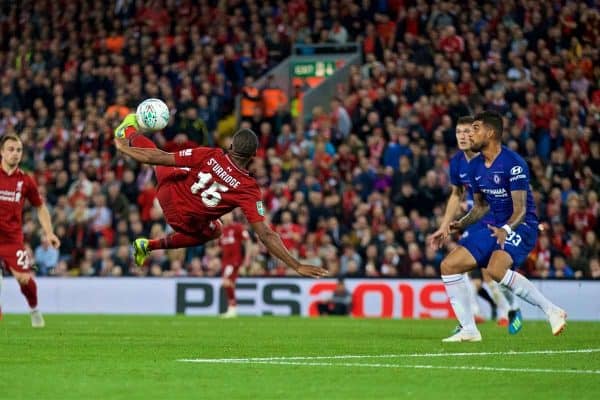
(135, 357)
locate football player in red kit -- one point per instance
(197, 186)
(235, 253)
(15, 188)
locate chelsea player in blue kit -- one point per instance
(500, 183)
(509, 314)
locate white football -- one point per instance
(152, 115)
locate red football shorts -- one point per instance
(14, 257)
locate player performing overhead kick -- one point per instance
(508, 308)
(15, 188)
(500, 182)
(197, 186)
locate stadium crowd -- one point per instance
(356, 188)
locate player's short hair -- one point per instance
(245, 143)
(7, 137)
(465, 119)
(492, 120)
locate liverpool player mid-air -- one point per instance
(15, 188)
(197, 186)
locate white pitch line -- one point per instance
(349, 356)
(458, 367)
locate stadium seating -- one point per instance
(363, 198)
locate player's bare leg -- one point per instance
(29, 290)
(229, 286)
(499, 270)
(453, 268)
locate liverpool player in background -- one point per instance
(235, 253)
(15, 187)
(197, 186)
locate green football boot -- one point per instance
(129, 120)
(140, 251)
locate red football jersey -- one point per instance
(14, 189)
(232, 244)
(212, 187)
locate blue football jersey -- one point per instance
(508, 172)
(459, 176)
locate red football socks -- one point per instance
(175, 241)
(29, 290)
(230, 292)
(139, 140)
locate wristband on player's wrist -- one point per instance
(507, 229)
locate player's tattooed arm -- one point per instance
(519, 200)
(273, 243)
(145, 155)
(480, 208)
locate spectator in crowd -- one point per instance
(561, 269)
(376, 161)
(46, 256)
(348, 259)
(595, 268)
(340, 302)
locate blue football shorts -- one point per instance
(481, 244)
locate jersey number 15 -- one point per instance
(211, 196)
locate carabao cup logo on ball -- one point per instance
(152, 114)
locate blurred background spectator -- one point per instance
(356, 189)
(339, 303)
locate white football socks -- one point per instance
(511, 299)
(458, 293)
(523, 288)
(472, 295)
(501, 304)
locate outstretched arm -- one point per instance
(437, 239)
(145, 155)
(275, 246)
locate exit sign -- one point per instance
(317, 69)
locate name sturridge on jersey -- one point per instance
(222, 173)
